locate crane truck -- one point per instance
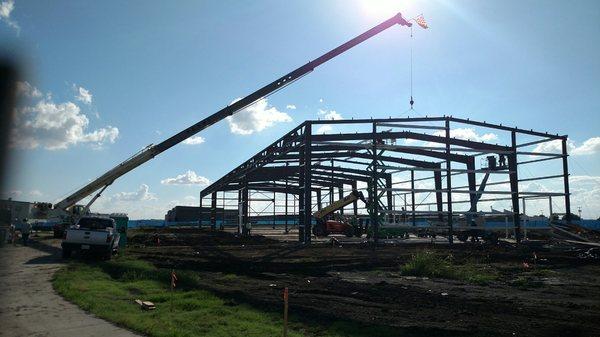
(325, 225)
(67, 209)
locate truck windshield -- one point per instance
(94, 223)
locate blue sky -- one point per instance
(153, 69)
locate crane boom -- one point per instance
(347, 200)
(153, 150)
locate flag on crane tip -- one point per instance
(420, 20)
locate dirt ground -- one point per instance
(556, 294)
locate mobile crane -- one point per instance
(326, 226)
(67, 208)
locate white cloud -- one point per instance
(188, 178)
(584, 193)
(320, 100)
(6, 8)
(35, 193)
(84, 95)
(329, 115)
(140, 195)
(468, 134)
(54, 126)
(27, 90)
(139, 204)
(590, 146)
(11, 194)
(256, 118)
(552, 146)
(290, 107)
(189, 200)
(194, 140)
(323, 129)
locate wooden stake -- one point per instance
(285, 311)
(172, 284)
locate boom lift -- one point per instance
(67, 207)
(327, 226)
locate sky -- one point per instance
(103, 79)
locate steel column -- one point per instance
(412, 195)
(390, 194)
(355, 203)
(286, 202)
(374, 199)
(213, 211)
(201, 215)
(472, 180)
(331, 198)
(304, 229)
(341, 196)
(449, 184)
(566, 179)
(319, 203)
(245, 230)
(514, 185)
(437, 178)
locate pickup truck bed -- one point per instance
(102, 241)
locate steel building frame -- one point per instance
(306, 164)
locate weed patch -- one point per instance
(428, 264)
(108, 290)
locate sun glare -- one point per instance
(382, 9)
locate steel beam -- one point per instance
(412, 135)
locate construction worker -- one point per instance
(403, 217)
(12, 231)
(502, 160)
(25, 230)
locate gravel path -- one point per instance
(29, 306)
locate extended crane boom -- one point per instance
(347, 200)
(152, 150)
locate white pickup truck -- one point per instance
(91, 234)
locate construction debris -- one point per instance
(145, 305)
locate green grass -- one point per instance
(428, 264)
(108, 290)
(533, 278)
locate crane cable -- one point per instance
(411, 69)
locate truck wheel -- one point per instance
(318, 231)
(66, 253)
(491, 238)
(349, 232)
(463, 237)
(108, 255)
